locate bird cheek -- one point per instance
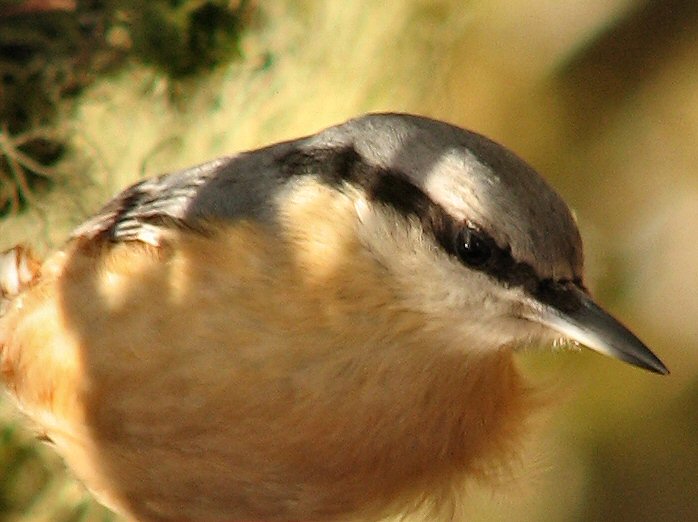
(525, 330)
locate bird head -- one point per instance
(470, 235)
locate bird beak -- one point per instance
(572, 312)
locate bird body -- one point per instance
(319, 330)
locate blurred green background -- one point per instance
(601, 96)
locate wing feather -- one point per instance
(230, 187)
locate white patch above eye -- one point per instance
(453, 182)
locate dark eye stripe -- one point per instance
(394, 189)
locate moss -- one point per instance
(49, 54)
(185, 38)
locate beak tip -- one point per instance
(640, 356)
(659, 368)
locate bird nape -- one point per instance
(318, 330)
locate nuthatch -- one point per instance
(318, 330)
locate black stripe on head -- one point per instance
(394, 189)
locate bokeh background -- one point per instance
(601, 96)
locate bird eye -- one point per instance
(472, 249)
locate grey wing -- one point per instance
(230, 188)
(141, 210)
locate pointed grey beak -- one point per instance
(570, 311)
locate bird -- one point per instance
(321, 329)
